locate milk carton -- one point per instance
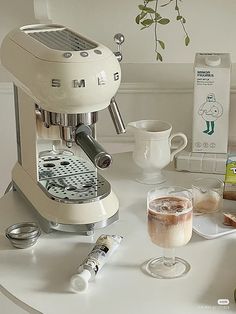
(211, 102)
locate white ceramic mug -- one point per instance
(153, 149)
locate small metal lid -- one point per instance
(23, 235)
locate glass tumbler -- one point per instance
(207, 195)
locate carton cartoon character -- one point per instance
(210, 111)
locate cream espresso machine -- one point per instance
(61, 81)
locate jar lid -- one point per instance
(23, 235)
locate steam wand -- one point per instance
(113, 107)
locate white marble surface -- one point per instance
(38, 277)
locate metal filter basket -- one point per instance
(23, 235)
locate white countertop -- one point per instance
(38, 277)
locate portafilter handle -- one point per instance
(96, 153)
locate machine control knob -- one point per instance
(119, 39)
(67, 54)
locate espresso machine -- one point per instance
(61, 80)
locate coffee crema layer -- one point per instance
(170, 221)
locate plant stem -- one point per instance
(155, 32)
(178, 11)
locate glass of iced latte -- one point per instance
(169, 213)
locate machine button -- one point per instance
(98, 52)
(67, 54)
(84, 54)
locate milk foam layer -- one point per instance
(170, 221)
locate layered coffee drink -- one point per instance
(170, 221)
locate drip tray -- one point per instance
(71, 179)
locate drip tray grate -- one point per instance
(71, 179)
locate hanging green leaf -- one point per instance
(148, 10)
(163, 21)
(187, 40)
(141, 7)
(165, 4)
(140, 17)
(137, 19)
(159, 57)
(147, 22)
(162, 44)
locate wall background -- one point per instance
(209, 22)
(149, 90)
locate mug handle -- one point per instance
(180, 147)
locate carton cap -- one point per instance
(213, 60)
